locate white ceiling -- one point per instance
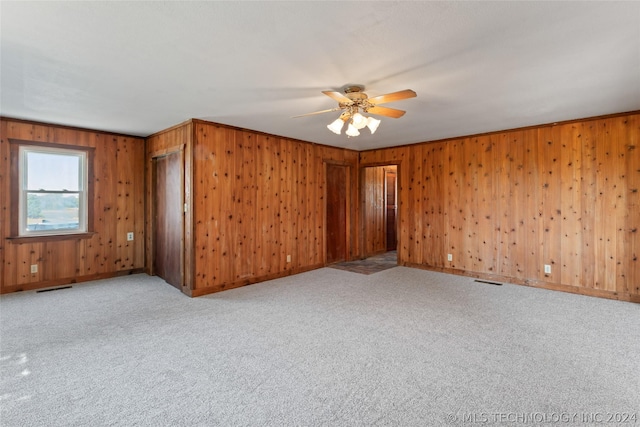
(140, 67)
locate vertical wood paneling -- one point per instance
(208, 226)
(227, 198)
(603, 217)
(285, 222)
(302, 214)
(5, 191)
(245, 205)
(455, 200)
(485, 216)
(273, 206)
(505, 204)
(434, 252)
(129, 209)
(117, 201)
(315, 205)
(632, 235)
(517, 240)
(398, 155)
(502, 211)
(414, 207)
(257, 199)
(570, 205)
(588, 196)
(263, 206)
(470, 205)
(533, 227)
(549, 157)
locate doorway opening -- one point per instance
(379, 210)
(168, 218)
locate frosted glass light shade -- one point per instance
(336, 126)
(352, 131)
(359, 121)
(373, 124)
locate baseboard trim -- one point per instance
(599, 293)
(66, 281)
(198, 292)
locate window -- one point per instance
(52, 187)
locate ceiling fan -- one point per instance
(355, 100)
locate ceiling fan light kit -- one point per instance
(336, 126)
(352, 130)
(373, 124)
(358, 121)
(355, 100)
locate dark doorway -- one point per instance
(168, 226)
(379, 209)
(391, 202)
(336, 213)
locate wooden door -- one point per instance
(336, 213)
(390, 178)
(168, 227)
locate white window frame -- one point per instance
(83, 179)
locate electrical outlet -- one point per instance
(34, 268)
(288, 258)
(130, 236)
(547, 269)
(449, 257)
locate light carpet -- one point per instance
(402, 347)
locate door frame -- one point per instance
(153, 157)
(361, 189)
(386, 171)
(348, 220)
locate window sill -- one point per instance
(51, 238)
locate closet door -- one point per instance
(336, 213)
(168, 227)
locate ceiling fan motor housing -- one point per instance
(357, 97)
(354, 100)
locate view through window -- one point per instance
(53, 197)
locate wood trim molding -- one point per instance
(497, 132)
(172, 128)
(76, 128)
(66, 281)
(269, 135)
(250, 281)
(166, 151)
(374, 164)
(338, 162)
(50, 238)
(532, 283)
(14, 171)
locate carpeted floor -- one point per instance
(402, 347)
(370, 265)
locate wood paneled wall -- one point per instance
(252, 199)
(258, 198)
(505, 204)
(118, 208)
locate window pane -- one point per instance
(47, 171)
(52, 211)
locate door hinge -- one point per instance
(186, 209)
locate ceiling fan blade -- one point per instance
(391, 97)
(337, 96)
(318, 112)
(385, 111)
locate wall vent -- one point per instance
(488, 283)
(54, 289)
